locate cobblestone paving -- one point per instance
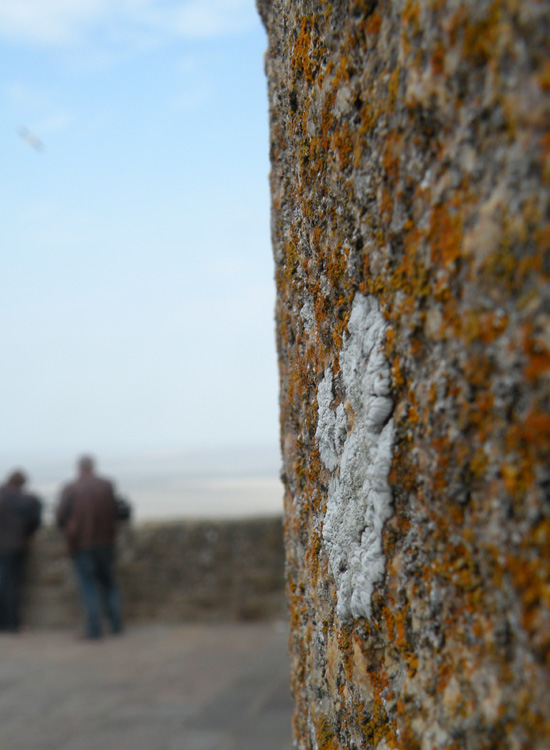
(188, 687)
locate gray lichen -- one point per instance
(359, 496)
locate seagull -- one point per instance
(31, 139)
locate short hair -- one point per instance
(86, 463)
(17, 479)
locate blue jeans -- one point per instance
(96, 576)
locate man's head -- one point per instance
(86, 466)
(16, 479)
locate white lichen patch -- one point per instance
(307, 314)
(357, 449)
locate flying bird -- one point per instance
(31, 139)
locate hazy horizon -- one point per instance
(217, 482)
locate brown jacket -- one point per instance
(87, 513)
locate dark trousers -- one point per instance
(96, 577)
(11, 579)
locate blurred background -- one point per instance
(136, 311)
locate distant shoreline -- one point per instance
(233, 483)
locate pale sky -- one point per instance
(137, 298)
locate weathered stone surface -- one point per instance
(410, 152)
(170, 572)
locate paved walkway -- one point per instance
(188, 687)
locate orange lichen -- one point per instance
(438, 59)
(302, 61)
(373, 23)
(537, 353)
(410, 24)
(445, 238)
(481, 39)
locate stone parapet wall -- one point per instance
(410, 182)
(169, 572)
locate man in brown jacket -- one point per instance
(87, 515)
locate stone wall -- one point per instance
(170, 572)
(410, 152)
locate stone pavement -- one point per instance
(158, 687)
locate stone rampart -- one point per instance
(410, 182)
(170, 572)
